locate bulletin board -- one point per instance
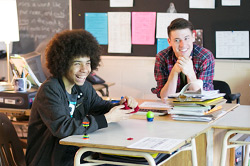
(222, 18)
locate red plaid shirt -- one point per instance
(203, 61)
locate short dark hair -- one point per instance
(180, 23)
(67, 45)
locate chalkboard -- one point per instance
(39, 20)
(222, 18)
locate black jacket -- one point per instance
(50, 121)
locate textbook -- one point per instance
(180, 97)
(196, 109)
(190, 110)
(216, 101)
(203, 118)
(200, 95)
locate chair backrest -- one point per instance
(224, 88)
(11, 151)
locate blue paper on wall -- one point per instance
(161, 44)
(97, 25)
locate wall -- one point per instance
(237, 74)
(134, 76)
(3, 69)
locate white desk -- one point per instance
(115, 136)
(238, 119)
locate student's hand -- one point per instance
(117, 114)
(132, 103)
(176, 68)
(186, 65)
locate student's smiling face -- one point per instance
(79, 69)
(181, 41)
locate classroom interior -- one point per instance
(139, 65)
(133, 74)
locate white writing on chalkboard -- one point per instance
(40, 19)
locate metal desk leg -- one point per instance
(194, 153)
(227, 146)
(246, 158)
(210, 137)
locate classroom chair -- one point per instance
(225, 88)
(235, 141)
(11, 151)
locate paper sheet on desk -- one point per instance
(156, 104)
(154, 143)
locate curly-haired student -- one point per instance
(65, 100)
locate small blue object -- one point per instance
(150, 119)
(115, 101)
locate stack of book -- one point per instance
(206, 110)
(197, 106)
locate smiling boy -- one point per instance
(66, 99)
(183, 62)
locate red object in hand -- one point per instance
(136, 109)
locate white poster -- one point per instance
(232, 44)
(163, 21)
(121, 3)
(202, 4)
(230, 2)
(119, 32)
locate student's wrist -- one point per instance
(191, 76)
(174, 74)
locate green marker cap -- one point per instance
(150, 114)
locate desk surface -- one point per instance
(238, 119)
(115, 136)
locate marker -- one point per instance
(23, 74)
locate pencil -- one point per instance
(26, 75)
